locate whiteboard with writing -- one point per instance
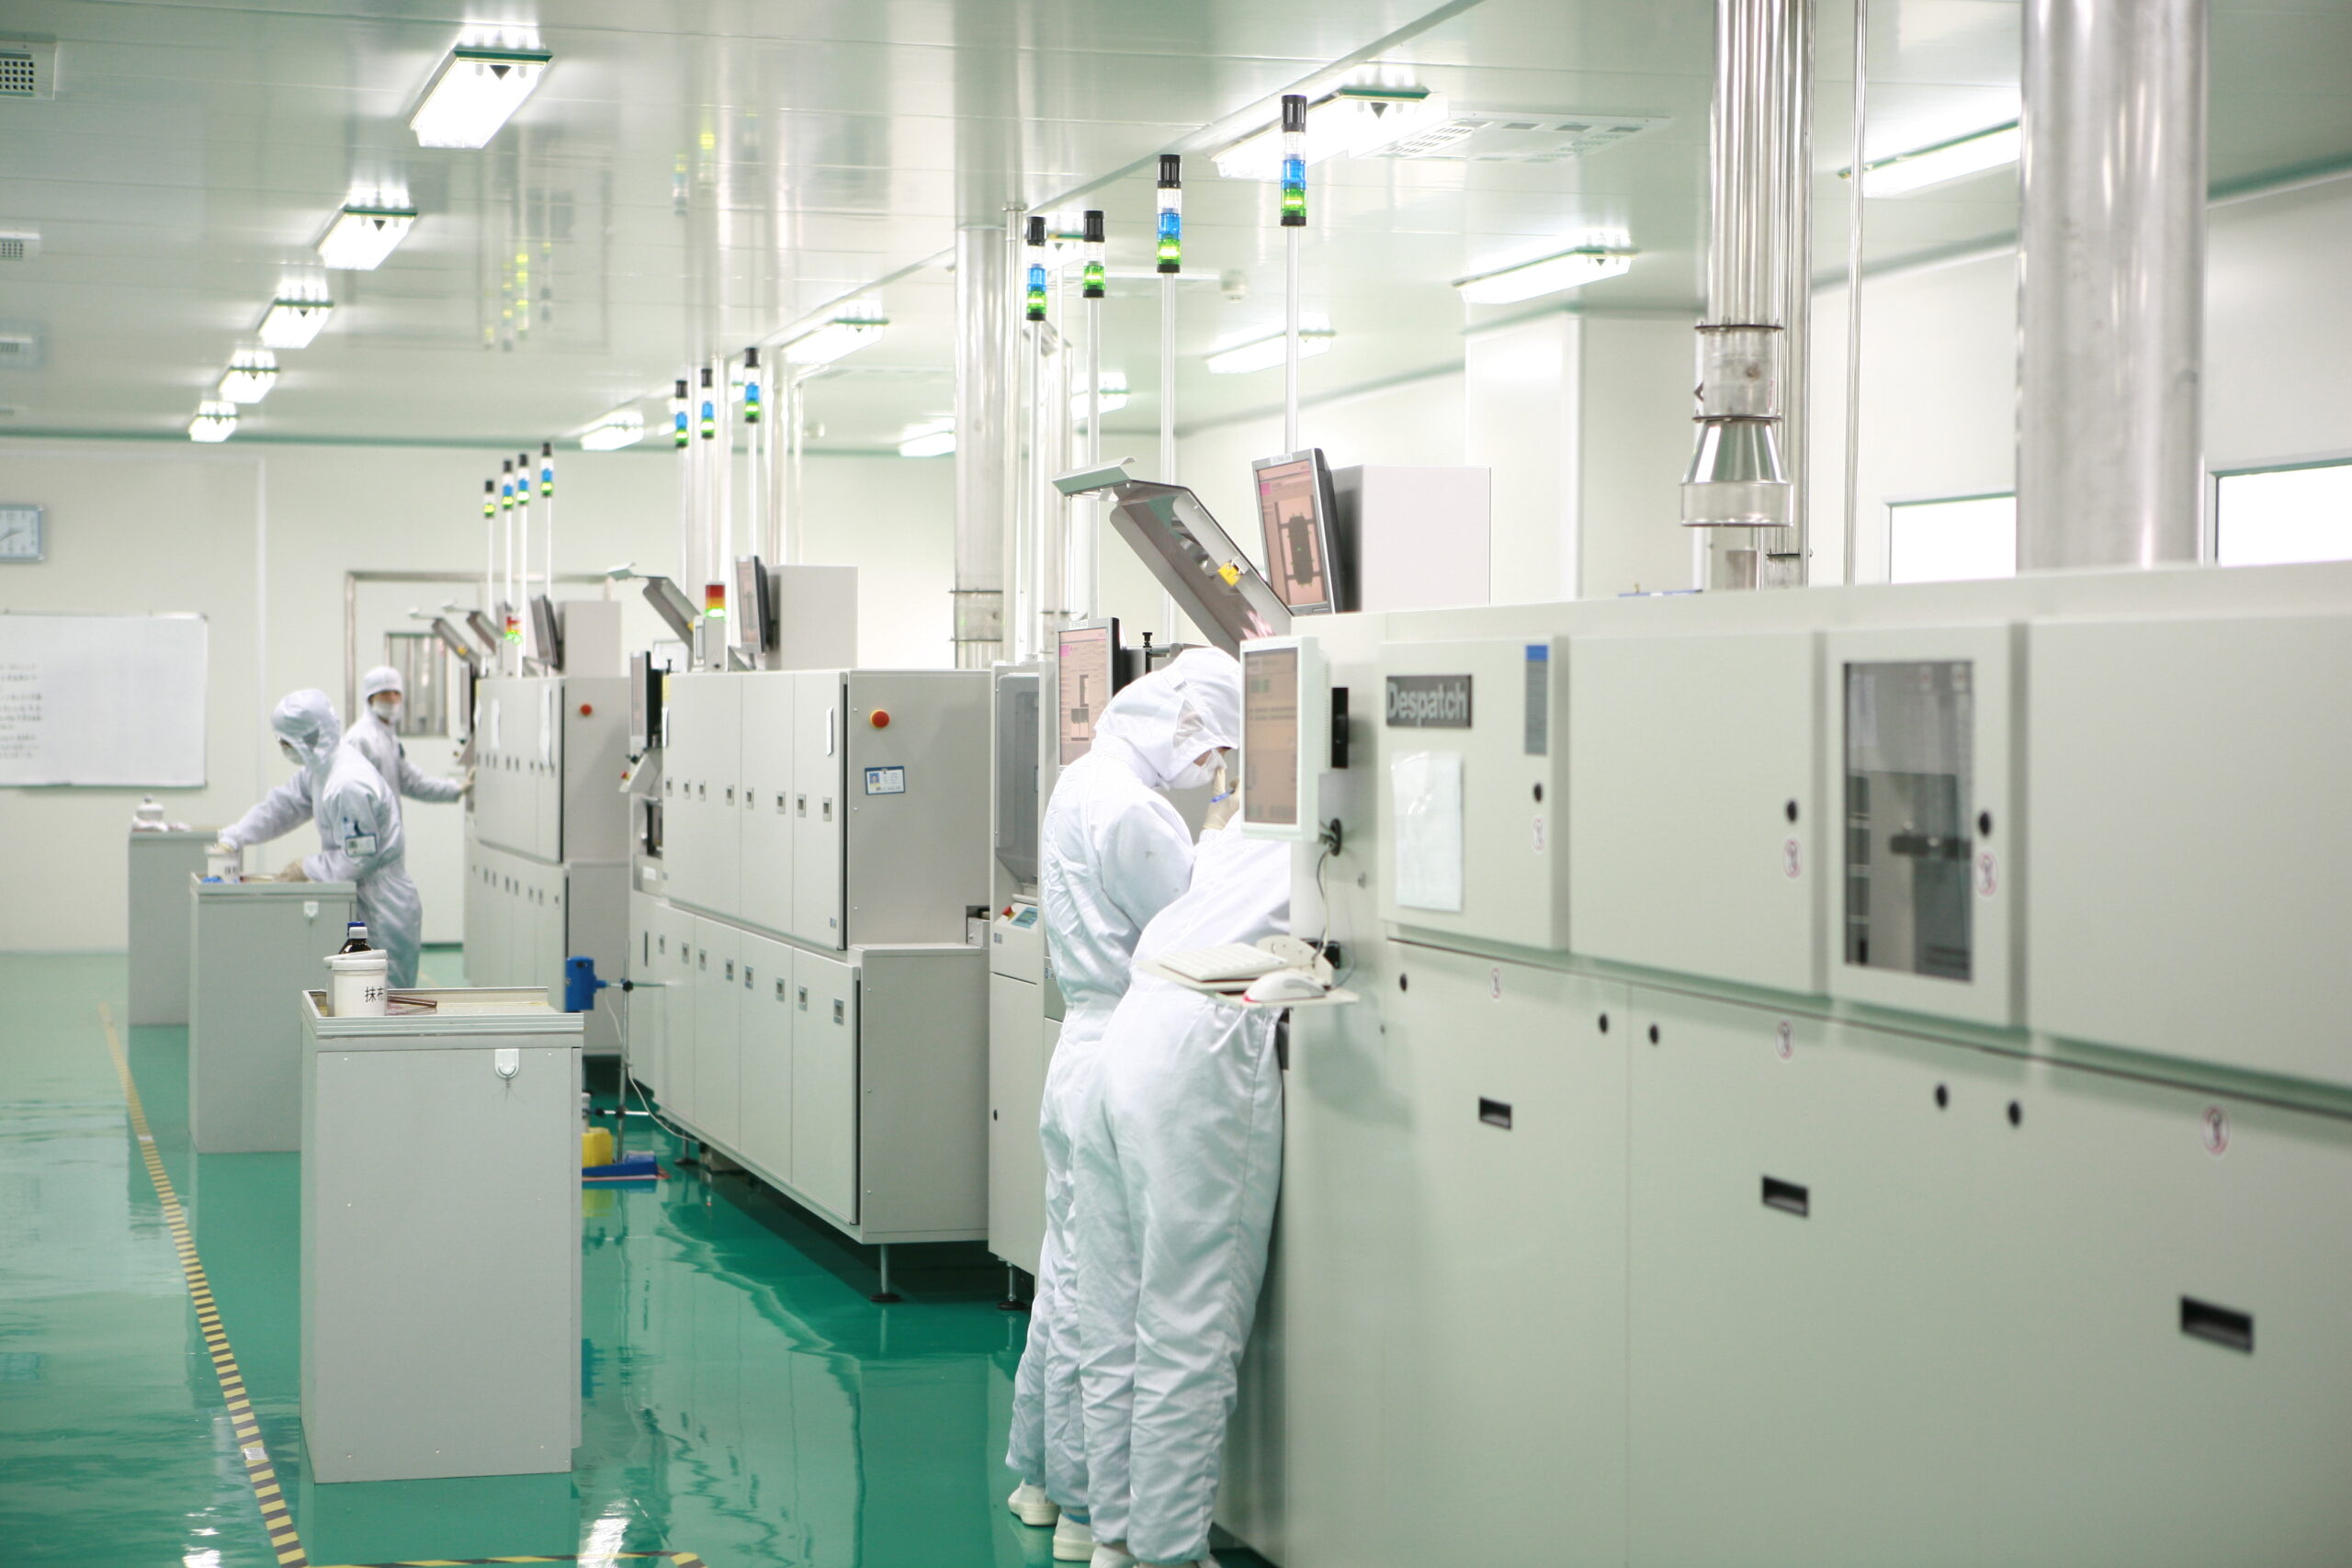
(102, 701)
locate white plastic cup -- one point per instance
(358, 984)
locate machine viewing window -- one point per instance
(1296, 513)
(1086, 676)
(1909, 754)
(1270, 737)
(425, 681)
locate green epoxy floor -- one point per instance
(744, 1400)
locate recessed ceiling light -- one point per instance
(622, 427)
(252, 372)
(213, 422)
(1265, 353)
(852, 328)
(1350, 123)
(292, 324)
(935, 440)
(361, 236)
(474, 92)
(1941, 164)
(1549, 274)
(1115, 395)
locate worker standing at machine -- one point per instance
(358, 821)
(1176, 1172)
(307, 730)
(376, 732)
(1114, 853)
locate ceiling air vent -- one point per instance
(19, 245)
(28, 69)
(1518, 136)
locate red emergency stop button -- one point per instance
(586, 708)
(881, 718)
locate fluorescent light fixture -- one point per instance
(851, 329)
(214, 420)
(362, 234)
(622, 427)
(1941, 164)
(292, 324)
(1265, 353)
(1351, 123)
(935, 440)
(252, 373)
(1114, 397)
(474, 92)
(1570, 269)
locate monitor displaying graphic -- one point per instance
(1295, 518)
(1085, 667)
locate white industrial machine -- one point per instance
(546, 848)
(811, 927)
(1849, 1077)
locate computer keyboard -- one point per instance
(1235, 963)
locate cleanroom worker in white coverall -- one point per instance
(1176, 1174)
(1114, 853)
(358, 819)
(375, 732)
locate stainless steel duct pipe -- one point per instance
(2111, 283)
(1740, 475)
(983, 407)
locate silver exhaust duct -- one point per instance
(1743, 473)
(2111, 283)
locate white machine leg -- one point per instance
(886, 1294)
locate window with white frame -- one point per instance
(1951, 541)
(2272, 517)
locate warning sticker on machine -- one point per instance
(885, 781)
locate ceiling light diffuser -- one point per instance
(1943, 163)
(1528, 280)
(1352, 123)
(292, 324)
(622, 427)
(361, 236)
(1114, 397)
(474, 92)
(848, 331)
(252, 372)
(929, 440)
(1265, 353)
(214, 420)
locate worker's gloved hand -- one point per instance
(1224, 800)
(293, 873)
(221, 847)
(466, 792)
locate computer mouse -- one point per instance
(1284, 986)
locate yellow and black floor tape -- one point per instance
(675, 1559)
(283, 1539)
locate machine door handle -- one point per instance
(1787, 1197)
(2203, 1320)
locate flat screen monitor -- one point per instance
(1300, 523)
(754, 629)
(1086, 675)
(1285, 707)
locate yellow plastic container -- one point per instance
(596, 1147)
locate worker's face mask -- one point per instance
(1192, 732)
(386, 709)
(293, 754)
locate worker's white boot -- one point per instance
(1111, 1554)
(1073, 1539)
(1031, 1506)
(1195, 1562)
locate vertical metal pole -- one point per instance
(2111, 283)
(1856, 163)
(1290, 340)
(981, 371)
(1167, 425)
